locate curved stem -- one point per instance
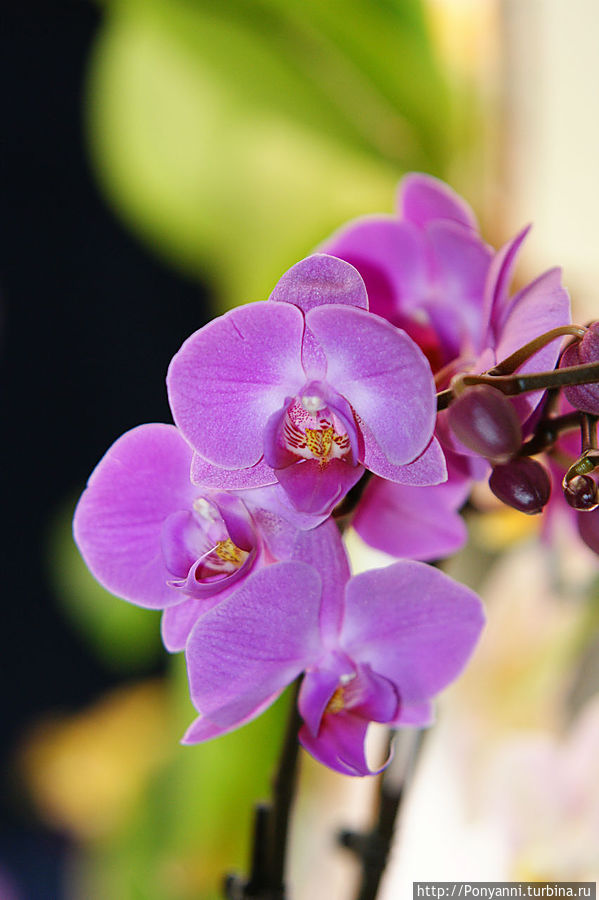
(512, 385)
(515, 360)
(271, 824)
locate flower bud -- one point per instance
(485, 421)
(522, 483)
(583, 396)
(588, 527)
(581, 492)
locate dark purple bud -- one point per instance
(583, 396)
(581, 492)
(485, 421)
(588, 526)
(522, 483)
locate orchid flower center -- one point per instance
(338, 700)
(218, 553)
(313, 431)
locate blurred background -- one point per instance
(164, 160)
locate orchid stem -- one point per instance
(271, 824)
(373, 848)
(511, 385)
(515, 360)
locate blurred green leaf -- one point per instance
(194, 822)
(124, 636)
(236, 136)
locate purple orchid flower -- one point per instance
(428, 270)
(152, 537)
(424, 268)
(306, 389)
(375, 647)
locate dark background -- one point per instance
(89, 322)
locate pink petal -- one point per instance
(206, 474)
(382, 374)
(231, 375)
(139, 483)
(413, 522)
(249, 647)
(321, 279)
(413, 625)
(422, 198)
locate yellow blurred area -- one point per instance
(85, 772)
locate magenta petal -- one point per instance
(205, 474)
(419, 715)
(340, 743)
(413, 625)
(231, 375)
(422, 198)
(202, 729)
(383, 375)
(177, 621)
(314, 489)
(413, 522)
(462, 262)
(139, 483)
(497, 288)
(391, 258)
(542, 305)
(317, 688)
(324, 549)
(255, 642)
(371, 696)
(427, 469)
(321, 279)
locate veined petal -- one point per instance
(315, 489)
(423, 198)
(231, 375)
(461, 261)
(391, 258)
(321, 279)
(497, 287)
(136, 486)
(177, 621)
(540, 306)
(340, 743)
(206, 474)
(203, 729)
(254, 643)
(413, 624)
(324, 549)
(383, 375)
(413, 522)
(427, 469)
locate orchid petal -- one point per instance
(340, 743)
(231, 375)
(391, 258)
(321, 279)
(139, 483)
(315, 489)
(382, 374)
(255, 642)
(413, 522)
(497, 288)
(413, 624)
(423, 198)
(542, 305)
(427, 469)
(206, 474)
(177, 621)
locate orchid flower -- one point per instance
(152, 537)
(375, 647)
(306, 389)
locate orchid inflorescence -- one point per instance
(381, 379)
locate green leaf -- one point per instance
(235, 137)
